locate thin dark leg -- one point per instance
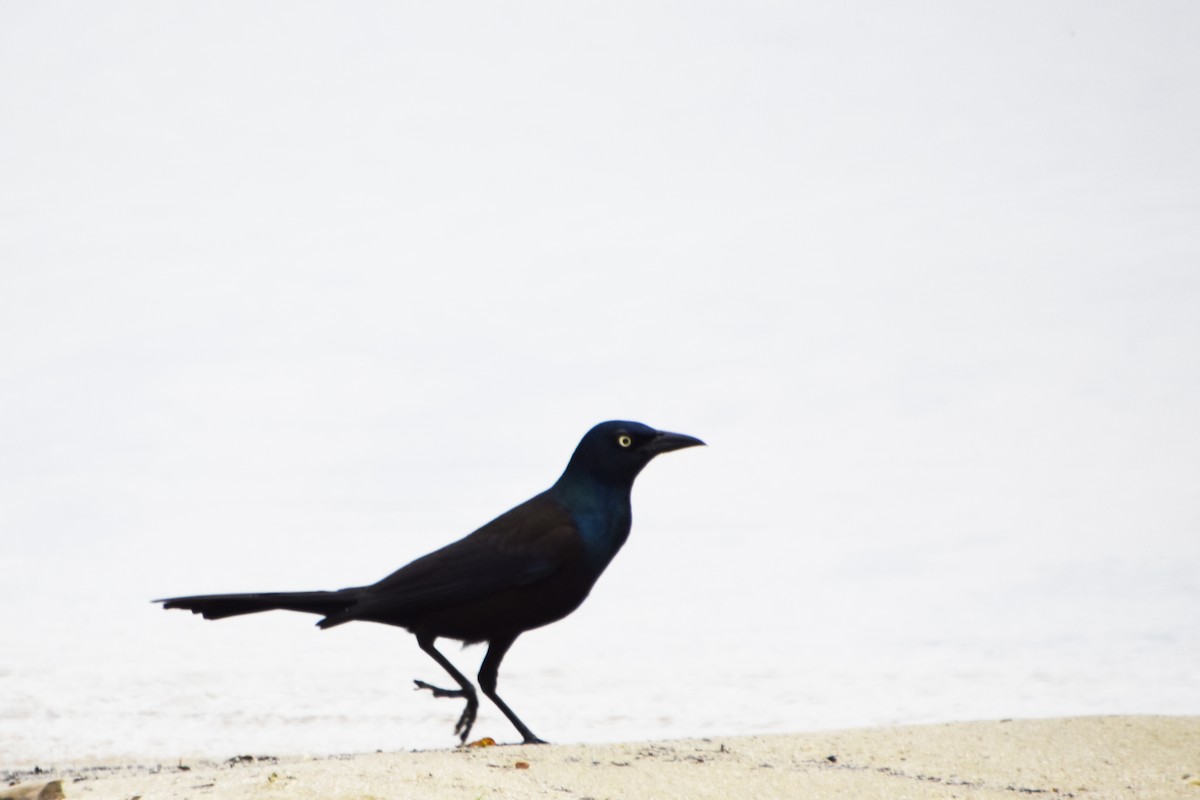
(463, 726)
(488, 673)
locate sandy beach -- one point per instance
(1090, 757)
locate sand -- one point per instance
(1091, 757)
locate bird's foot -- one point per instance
(441, 692)
(465, 722)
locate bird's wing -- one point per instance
(520, 547)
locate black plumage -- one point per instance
(528, 567)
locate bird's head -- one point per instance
(615, 452)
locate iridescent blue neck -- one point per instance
(600, 511)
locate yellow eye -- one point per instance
(624, 440)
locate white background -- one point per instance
(295, 292)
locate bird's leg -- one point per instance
(488, 673)
(467, 720)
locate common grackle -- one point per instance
(529, 567)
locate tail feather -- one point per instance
(220, 606)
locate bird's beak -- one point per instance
(665, 442)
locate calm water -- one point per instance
(924, 278)
(645, 658)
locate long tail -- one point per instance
(220, 606)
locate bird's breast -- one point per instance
(603, 531)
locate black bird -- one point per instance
(529, 567)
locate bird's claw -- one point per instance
(467, 720)
(440, 692)
(462, 728)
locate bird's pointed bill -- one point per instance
(666, 441)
